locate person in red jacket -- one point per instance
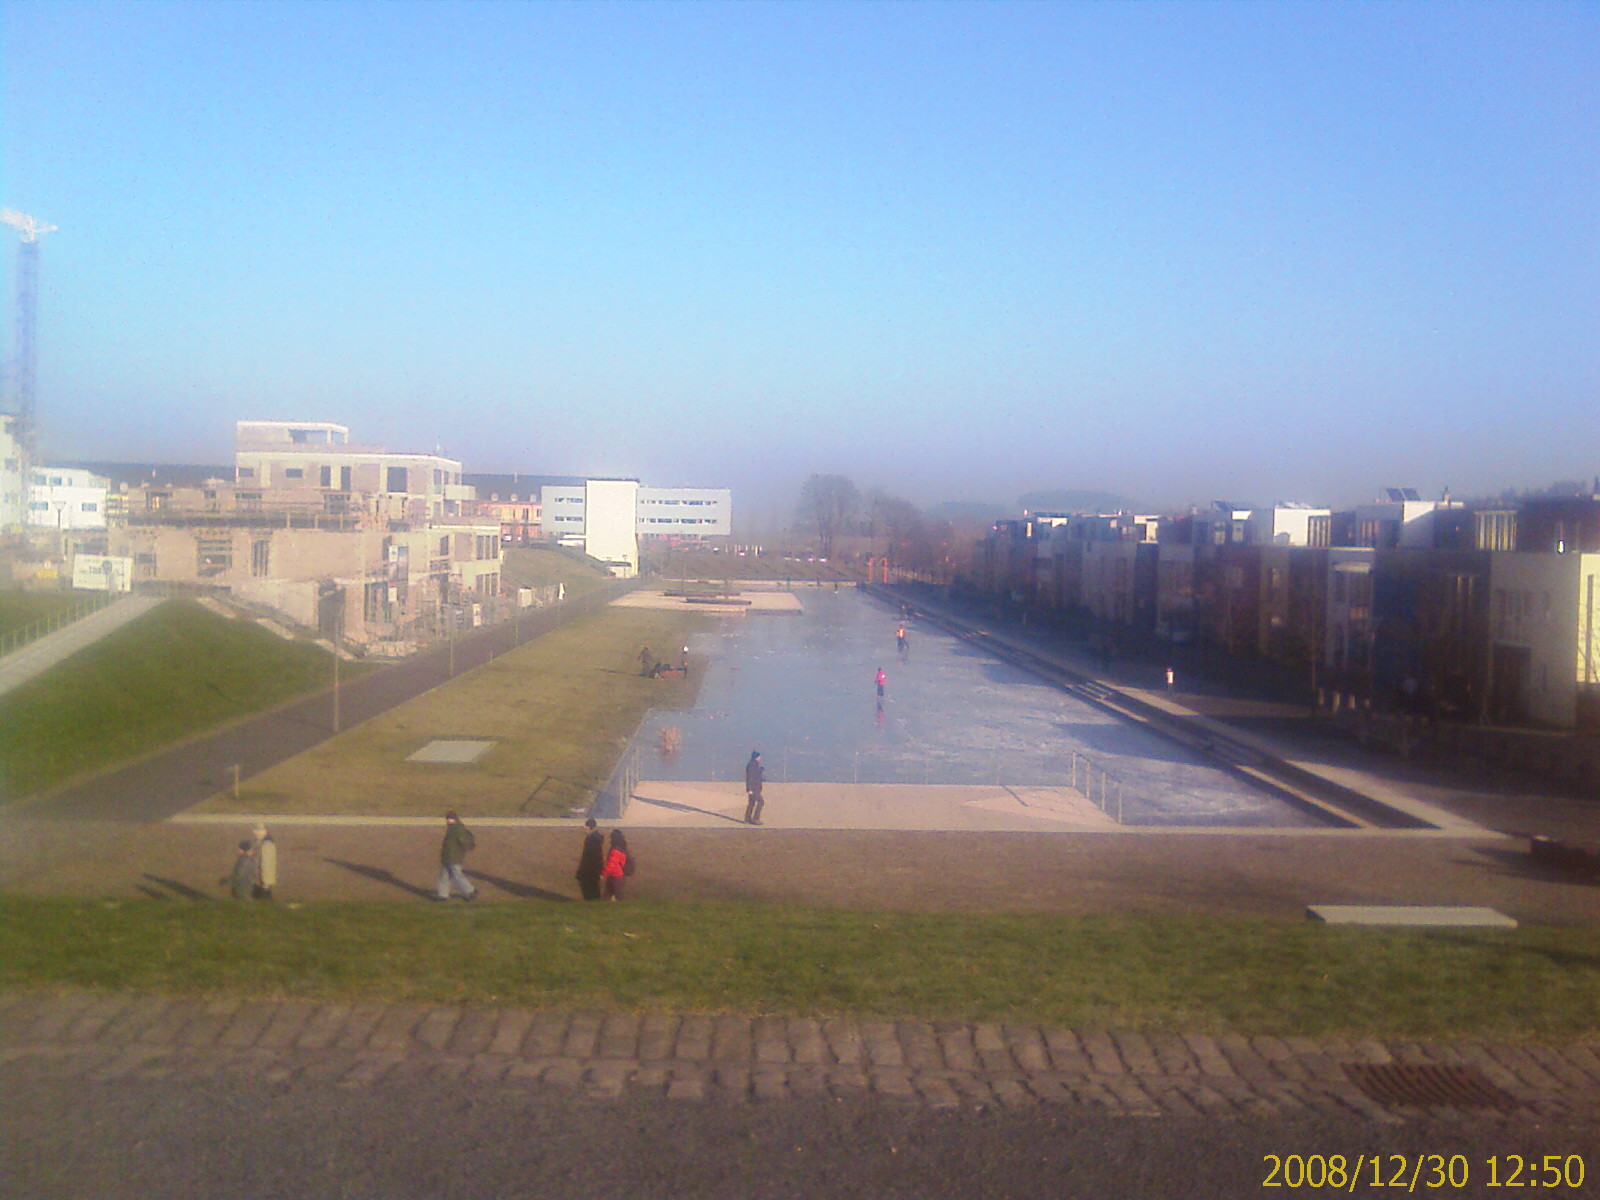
(618, 866)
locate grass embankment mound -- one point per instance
(542, 566)
(559, 711)
(1138, 972)
(175, 672)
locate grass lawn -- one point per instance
(559, 711)
(1138, 972)
(175, 672)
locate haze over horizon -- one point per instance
(955, 251)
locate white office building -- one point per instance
(607, 517)
(66, 499)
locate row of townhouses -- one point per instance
(1481, 613)
(355, 541)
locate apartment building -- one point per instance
(1545, 639)
(353, 541)
(317, 458)
(13, 480)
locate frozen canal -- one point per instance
(801, 690)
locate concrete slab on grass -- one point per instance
(459, 751)
(1433, 915)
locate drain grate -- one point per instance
(1428, 1085)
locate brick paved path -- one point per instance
(104, 1038)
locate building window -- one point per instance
(261, 558)
(336, 502)
(396, 479)
(213, 556)
(249, 500)
(90, 506)
(247, 472)
(294, 473)
(325, 476)
(444, 545)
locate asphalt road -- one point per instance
(257, 1141)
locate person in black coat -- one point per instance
(590, 861)
(753, 775)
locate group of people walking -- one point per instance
(602, 870)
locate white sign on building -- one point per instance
(102, 573)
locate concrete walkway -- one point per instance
(717, 805)
(39, 656)
(97, 1038)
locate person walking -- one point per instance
(591, 861)
(754, 773)
(458, 840)
(241, 881)
(266, 856)
(882, 682)
(647, 662)
(619, 865)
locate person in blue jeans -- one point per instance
(458, 840)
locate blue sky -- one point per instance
(1174, 251)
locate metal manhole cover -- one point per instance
(1428, 1085)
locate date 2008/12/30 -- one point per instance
(1408, 1172)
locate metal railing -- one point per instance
(1087, 778)
(16, 639)
(611, 802)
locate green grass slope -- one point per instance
(1146, 972)
(173, 673)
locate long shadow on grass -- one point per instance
(381, 876)
(525, 890)
(182, 890)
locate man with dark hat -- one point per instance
(753, 775)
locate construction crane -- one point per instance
(27, 299)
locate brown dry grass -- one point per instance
(560, 710)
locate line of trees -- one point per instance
(848, 523)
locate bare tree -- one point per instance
(901, 523)
(827, 502)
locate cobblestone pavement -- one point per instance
(100, 1039)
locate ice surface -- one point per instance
(801, 690)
